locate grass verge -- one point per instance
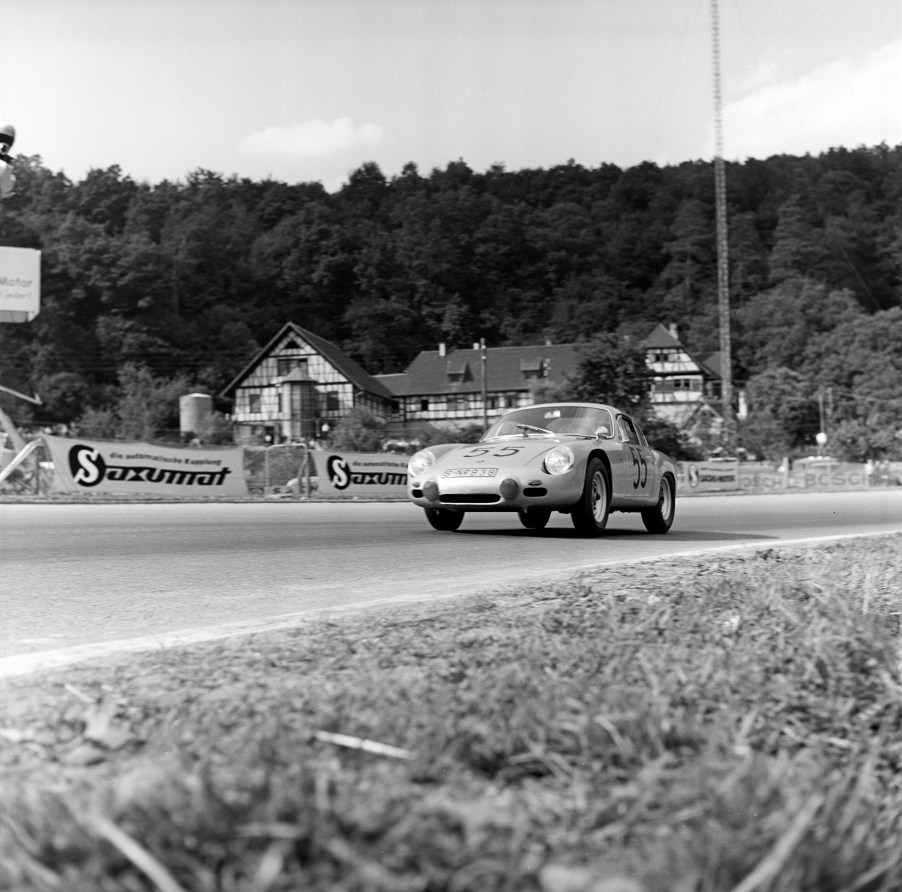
(698, 724)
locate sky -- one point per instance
(309, 90)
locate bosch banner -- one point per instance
(140, 468)
(362, 474)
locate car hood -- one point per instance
(506, 453)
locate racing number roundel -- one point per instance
(641, 467)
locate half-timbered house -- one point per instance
(297, 384)
(683, 387)
(456, 387)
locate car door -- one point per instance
(639, 480)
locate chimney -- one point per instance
(441, 349)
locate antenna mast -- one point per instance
(728, 433)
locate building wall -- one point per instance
(677, 380)
(265, 405)
(460, 407)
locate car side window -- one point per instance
(627, 431)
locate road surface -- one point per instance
(83, 576)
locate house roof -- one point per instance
(429, 372)
(712, 364)
(332, 354)
(660, 338)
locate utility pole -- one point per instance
(7, 187)
(485, 386)
(728, 434)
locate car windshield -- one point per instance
(551, 420)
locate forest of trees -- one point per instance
(184, 281)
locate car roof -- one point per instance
(609, 408)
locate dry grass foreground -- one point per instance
(701, 724)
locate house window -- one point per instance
(687, 384)
(332, 401)
(424, 405)
(253, 402)
(286, 364)
(458, 402)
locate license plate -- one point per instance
(470, 472)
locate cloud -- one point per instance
(849, 103)
(312, 139)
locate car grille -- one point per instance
(469, 498)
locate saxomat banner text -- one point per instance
(141, 468)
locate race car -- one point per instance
(581, 459)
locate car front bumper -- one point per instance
(506, 492)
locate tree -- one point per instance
(777, 326)
(798, 242)
(858, 366)
(64, 395)
(783, 413)
(144, 407)
(358, 431)
(690, 273)
(668, 438)
(613, 370)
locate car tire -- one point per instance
(660, 518)
(534, 518)
(590, 513)
(443, 519)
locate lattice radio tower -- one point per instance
(728, 434)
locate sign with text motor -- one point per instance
(20, 284)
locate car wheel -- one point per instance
(660, 518)
(443, 519)
(534, 518)
(590, 513)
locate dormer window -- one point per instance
(458, 371)
(533, 367)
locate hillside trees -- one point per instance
(857, 365)
(190, 278)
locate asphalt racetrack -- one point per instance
(79, 580)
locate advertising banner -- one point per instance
(834, 475)
(708, 476)
(140, 468)
(20, 284)
(362, 474)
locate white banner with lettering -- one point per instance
(20, 284)
(708, 476)
(362, 474)
(140, 468)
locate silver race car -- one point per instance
(581, 459)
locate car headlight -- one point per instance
(559, 460)
(420, 462)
